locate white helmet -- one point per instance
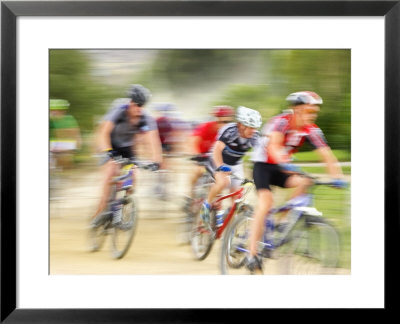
(248, 117)
(304, 97)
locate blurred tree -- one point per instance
(259, 79)
(327, 72)
(179, 69)
(71, 79)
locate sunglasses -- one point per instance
(224, 121)
(311, 111)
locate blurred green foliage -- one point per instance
(71, 79)
(326, 72)
(259, 79)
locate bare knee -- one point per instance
(298, 182)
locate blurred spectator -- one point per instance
(64, 131)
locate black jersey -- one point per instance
(235, 146)
(123, 132)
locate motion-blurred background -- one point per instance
(192, 81)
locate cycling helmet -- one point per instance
(164, 107)
(248, 117)
(138, 94)
(223, 111)
(58, 104)
(304, 97)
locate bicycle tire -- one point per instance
(313, 248)
(192, 207)
(128, 228)
(97, 235)
(234, 241)
(201, 237)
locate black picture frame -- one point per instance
(11, 10)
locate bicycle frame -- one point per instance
(295, 204)
(238, 194)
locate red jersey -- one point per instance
(208, 134)
(164, 129)
(293, 138)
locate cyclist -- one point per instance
(165, 127)
(116, 137)
(279, 138)
(204, 137)
(233, 141)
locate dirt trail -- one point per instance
(157, 247)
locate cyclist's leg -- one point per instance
(198, 170)
(263, 174)
(264, 204)
(300, 185)
(109, 170)
(222, 181)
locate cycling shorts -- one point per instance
(236, 169)
(266, 174)
(125, 152)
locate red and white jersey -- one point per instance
(293, 138)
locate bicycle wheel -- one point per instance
(201, 236)
(313, 248)
(235, 245)
(123, 234)
(97, 235)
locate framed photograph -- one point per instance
(252, 53)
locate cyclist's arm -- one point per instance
(332, 165)
(153, 140)
(217, 153)
(275, 148)
(105, 135)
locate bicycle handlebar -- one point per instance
(316, 181)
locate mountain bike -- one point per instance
(192, 205)
(123, 206)
(308, 244)
(204, 235)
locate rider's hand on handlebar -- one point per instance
(224, 168)
(106, 155)
(339, 183)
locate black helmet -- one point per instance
(138, 94)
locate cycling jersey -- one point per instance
(293, 139)
(123, 132)
(164, 129)
(208, 134)
(235, 146)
